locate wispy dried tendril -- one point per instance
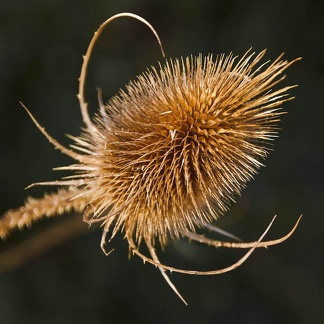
(170, 153)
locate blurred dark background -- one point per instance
(71, 281)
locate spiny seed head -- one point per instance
(174, 150)
(168, 154)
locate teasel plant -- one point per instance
(167, 155)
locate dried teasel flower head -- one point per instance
(175, 149)
(172, 151)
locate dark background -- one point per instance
(41, 47)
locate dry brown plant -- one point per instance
(168, 154)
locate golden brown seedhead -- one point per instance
(173, 150)
(170, 153)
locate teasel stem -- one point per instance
(50, 205)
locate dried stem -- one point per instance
(50, 205)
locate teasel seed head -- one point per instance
(170, 153)
(174, 149)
